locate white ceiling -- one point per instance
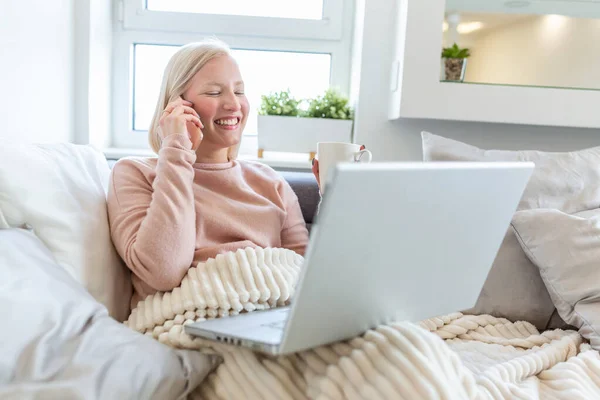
(493, 20)
(573, 8)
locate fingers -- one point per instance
(179, 110)
(188, 111)
(179, 117)
(179, 102)
(193, 119)
(315, 170)
(178, 107)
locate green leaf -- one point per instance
(331, 104)
(279, 103)
(455, 52)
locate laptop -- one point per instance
(392, 242)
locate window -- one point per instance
(297, 45)
(305, 74)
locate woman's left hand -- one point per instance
(315, 169)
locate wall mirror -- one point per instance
(532, 62)
(541, 43)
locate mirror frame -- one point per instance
(416, 90)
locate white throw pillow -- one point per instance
(567, 181)
(3, 221)
(564, 181)
(59, 190)
(566, 249)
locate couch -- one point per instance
(64, 288)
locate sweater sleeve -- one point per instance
(153, 225)
(294, 235)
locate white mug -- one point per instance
(331, 153)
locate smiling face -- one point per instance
(217, 92)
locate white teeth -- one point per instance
(226, 121)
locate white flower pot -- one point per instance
(298, 134)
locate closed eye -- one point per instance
(213, 93)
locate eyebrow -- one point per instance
(214, 83)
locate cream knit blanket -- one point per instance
(450, 357)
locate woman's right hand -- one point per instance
(179, 117)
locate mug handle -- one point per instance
(358, 156)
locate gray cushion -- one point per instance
(305, 186)
(566, 181)
(566, 249)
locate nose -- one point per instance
(232, 102)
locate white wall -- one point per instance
(36, 70)
(550, 50)
(400, 139)
(356, 51)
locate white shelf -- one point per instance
(416, 90)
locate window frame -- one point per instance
(125, 37)
(329, 27)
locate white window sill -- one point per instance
(274, 160)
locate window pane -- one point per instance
(306, 9)
(305, 74)
(149, 64)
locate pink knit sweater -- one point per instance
(168, 213)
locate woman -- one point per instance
(196, 200)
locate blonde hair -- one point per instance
(180, 70)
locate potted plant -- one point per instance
(455, 62)
(283, 125)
